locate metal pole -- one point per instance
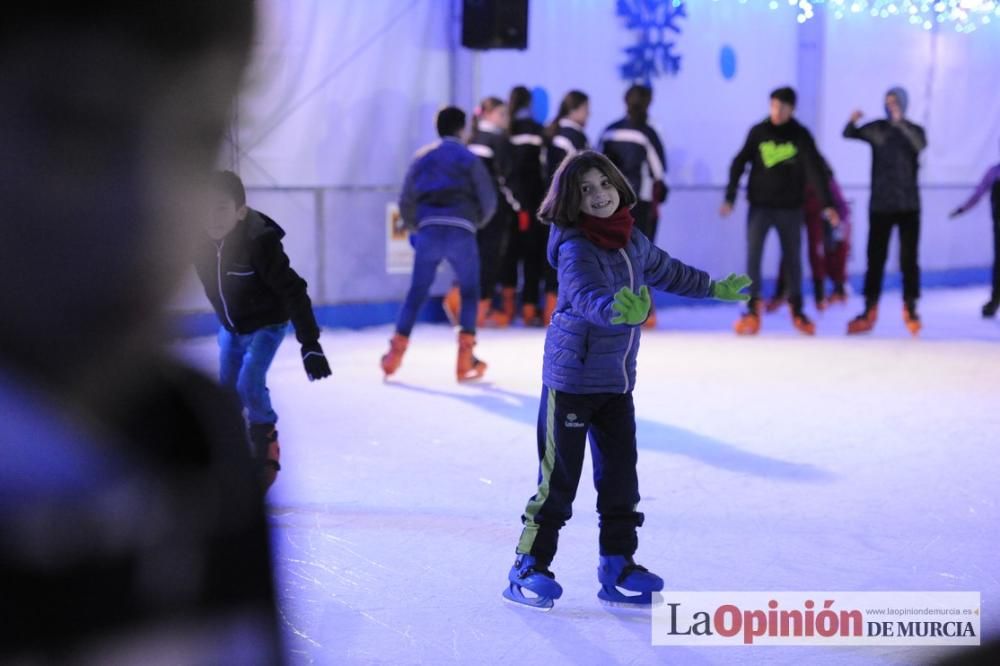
(319, 200)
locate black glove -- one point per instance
(315, 361)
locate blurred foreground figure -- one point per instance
(131, 528)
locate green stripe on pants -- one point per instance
(548, 462)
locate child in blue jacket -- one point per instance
(447, 196)
(605, 268)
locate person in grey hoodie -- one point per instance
(895, 201)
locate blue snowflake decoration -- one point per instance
(656, 28)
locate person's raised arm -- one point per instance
(864, 133)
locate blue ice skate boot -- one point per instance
(528, 575)
(620, 572)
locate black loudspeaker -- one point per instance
(495, 24)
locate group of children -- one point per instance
(605, 266)
(522, 156)
(599, 215)
(791, 185)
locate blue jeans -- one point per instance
(434, 244)
(243, 364)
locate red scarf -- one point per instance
(611, 233)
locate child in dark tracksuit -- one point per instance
(491, 143)
(606, 268)
(255, 292)
(447, 195)
(529, 236)
(566, 138)
(636, 149)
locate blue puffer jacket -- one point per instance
(584, 352)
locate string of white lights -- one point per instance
(961, 15)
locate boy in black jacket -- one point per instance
(783, 159)
(255, 292)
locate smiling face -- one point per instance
(598, 197)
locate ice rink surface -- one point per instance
(774, 463)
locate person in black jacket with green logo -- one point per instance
(255, 292)
(783, 158)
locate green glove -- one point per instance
(730, 288)
(632, 308)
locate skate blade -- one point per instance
(615, 598)
(473, 375)
(513, 595)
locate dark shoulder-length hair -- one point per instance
(561, 206)
(520, 98)
(572, 101)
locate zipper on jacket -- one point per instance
(218, 272)
(631, 332)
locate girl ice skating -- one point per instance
(606, 268)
